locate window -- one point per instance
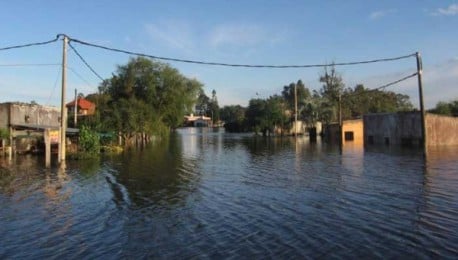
(349, 136)
(387, 140)
(370, 139)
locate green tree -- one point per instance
(446, 108)
(214, 107)
(331, 92)
(234, 118)
(264, 116)
(144, 97)
(202, 104)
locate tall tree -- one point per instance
(145, 96)
(214, 107)
(331, 91)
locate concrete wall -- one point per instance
(27, 114)
(352, 127)
(403, 128)
(355, 127)
(4, 108)
(441, 130)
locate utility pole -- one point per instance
(340, 120)
(63, 114)
(76, 109)
(295, 110)
(422, 108)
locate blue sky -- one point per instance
(242, 32)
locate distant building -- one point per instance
(197, 121)
(84, 107)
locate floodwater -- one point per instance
(207, 194)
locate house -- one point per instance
(84, 107)
(197, 121)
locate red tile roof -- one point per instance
(82, 103)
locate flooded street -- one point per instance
(208, 194)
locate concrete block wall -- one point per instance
(27, 114)
(393, 128)
(441, 130)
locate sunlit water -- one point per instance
(206, 194)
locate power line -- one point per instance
(239, 65)
(383, 86)
(54, 87)
(31, 44)
(85, 62)
(199, 62)
(30, 65)
(81, 77)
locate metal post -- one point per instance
(63, 114)
(422, 108)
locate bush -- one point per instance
(89, 141)
(4, 133)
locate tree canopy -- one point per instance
(277, 112)
(144, 96)
(446, 108)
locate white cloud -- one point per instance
(173, 33)
(381, 13)
(241, 35)
(450, 10)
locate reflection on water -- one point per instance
(205, 193)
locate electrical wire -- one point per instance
(239, 65)
(199, 62)
(81, 77)
(366, 91)
(31, 44)
(85, 62)
(30, 64)
(54, 88)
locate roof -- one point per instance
(194, 118)
(82, 103)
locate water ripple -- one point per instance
(209, 195)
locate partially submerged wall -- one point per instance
(352, 132)
(403, 128)
(441, 130)
(27, 114)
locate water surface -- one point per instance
(207, 194)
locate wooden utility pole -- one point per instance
(63, 114)
(340, 120)
(295, 110)
(47, 147)
(422, 108)
(76, 109)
